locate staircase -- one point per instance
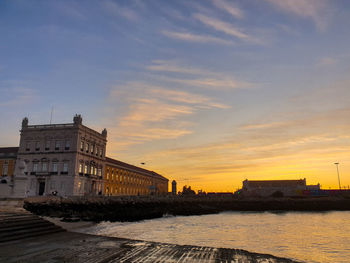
(19, 225)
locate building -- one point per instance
(126, 179)
(63, 159)
(280, 187)
(8, 156)
(69, 160)
(173, 187)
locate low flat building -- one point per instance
(265, 188)
(126, 179)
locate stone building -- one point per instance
(265, 188)
(125, 179)
(63, 159)
(8, 156)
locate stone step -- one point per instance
(29, 235)
(9, 223)
(15, 234)
(23, 225)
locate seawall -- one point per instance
(139, 208)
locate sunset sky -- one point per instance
(208, 93)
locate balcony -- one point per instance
(53, 173)
(64, 172)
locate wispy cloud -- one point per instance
(158, 113)
(316, 10)
(190, 37)
(18, 96)
(196, 77)
(229, 7)
(225, 27)
(116, 9)
(326, 62)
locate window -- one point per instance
(37, 146)
(44, 167)
(101, 152)
(54, 166)
(96, 151)
(92, 149)
(107, 174)
(65, 167)
(27, 146)
(99, 172)
(47, 145)
(35, 167)
(5, 169)
(86, 169)
(81, 145)
(95, 172)
(80, 168)
(91, 170)
(67, 145)
(57, 145)
(87, 147)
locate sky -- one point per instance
(208, 93)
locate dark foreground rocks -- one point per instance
(83, 248)
(140, 208)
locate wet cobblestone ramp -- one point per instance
(76, 247)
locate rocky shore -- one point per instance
(139, 208)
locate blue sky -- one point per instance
(205, 92)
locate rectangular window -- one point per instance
(107, 174)
(27, 146)
(54, 167)
(35, 167)
(99, 172)
(57, 145)
(96, 151)
(44, 167)
(5, 169)
(92, 170)
(86, 169)
(47, 145)
(87, 147)
(67, 145)
(37, 146)
(80, 168)
(65, 167)
(92, 149)
(95, 171)
(101, 152)
(81, 145)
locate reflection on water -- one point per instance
(311, 237)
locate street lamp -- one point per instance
(336, 164)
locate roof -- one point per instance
(8, 152)
(134, 168)
(276, 183)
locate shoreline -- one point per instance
(139, 208)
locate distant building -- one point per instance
(173, 187)
(271, 187)
(126, 179)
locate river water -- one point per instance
(305, 236)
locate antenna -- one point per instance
(51, 114)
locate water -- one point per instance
(310, 237)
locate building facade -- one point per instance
(70, 160)
(63, 159)
(125, 179)
(265, 188)
(8, 156)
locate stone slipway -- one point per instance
(78, 247)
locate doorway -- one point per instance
(41, 188)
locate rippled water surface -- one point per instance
(310, 237)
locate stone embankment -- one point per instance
(139, 208)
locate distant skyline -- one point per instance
(208, 93)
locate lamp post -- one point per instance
(337, 164)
